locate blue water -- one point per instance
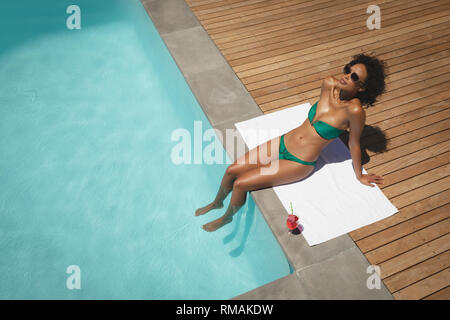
(86, 172)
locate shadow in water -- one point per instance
(372, 139)
(249, 215)
(31, 19)
(291, 269)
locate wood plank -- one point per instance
(230, 15)
(411, 142)
(415, 169)
(284, 21)
(377, 139)
(269, 29)
(395, 107)
(410, 159)
(418, 272)
(409, 212)
(408, 85)
(429, 115)
(378, 240)
(425, 287)
(194, 3)
(421, 193)
(319, 26)
(425, 107)
(436, 70)
(331, 30)
(248, 15)
(268, 15)
(332, 47)
(407, 149)
(345, 44)
(340, 12)
(409, 135)
(399, 96)
(379, 47)
(417, 181)
(432, 109)
(414, 256)
(314, 39)
(430, 103)
(399, 77)
(307, 72)
(211, 7)
(306, 28)
(428, 65)
(443, 294)
(406, 243)
(243, 8)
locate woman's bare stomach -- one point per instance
(304, 142)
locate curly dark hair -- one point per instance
(375, 83)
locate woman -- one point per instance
(294, 154)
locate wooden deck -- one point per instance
(282, 49)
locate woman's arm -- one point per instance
(357, 119)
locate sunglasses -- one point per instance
(354, 76)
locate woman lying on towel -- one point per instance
(294, 154)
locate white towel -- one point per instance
(330, 202)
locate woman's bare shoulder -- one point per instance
(355, 105)
(355, 109)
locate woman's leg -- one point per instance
(254, 179)
(255, 158)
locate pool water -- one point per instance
(86, 173)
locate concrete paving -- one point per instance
(335, 269)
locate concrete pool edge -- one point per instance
(336, 269)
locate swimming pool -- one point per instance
(86, 170)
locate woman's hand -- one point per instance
(370, 178)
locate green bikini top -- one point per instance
(322, 128)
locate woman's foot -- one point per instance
(216, 224)
(207, 208)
